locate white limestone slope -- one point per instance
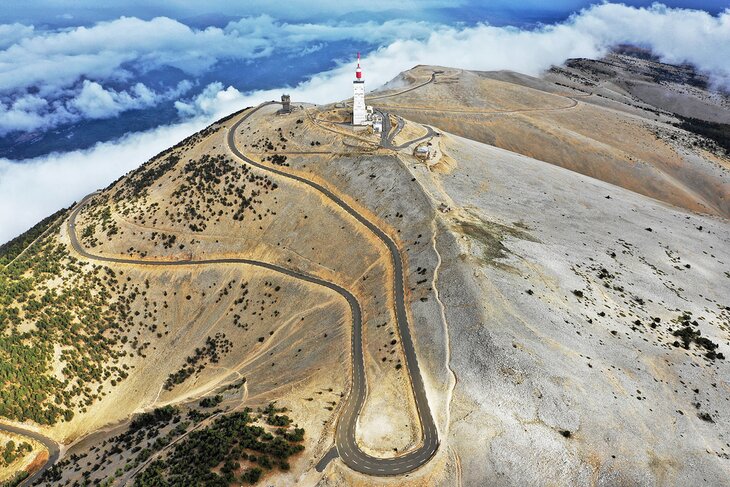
(562, 388)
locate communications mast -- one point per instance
(359, 111)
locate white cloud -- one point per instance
(22, 114)
(32, 189)
(676, 35)
(94, 101)
(292, 35)
(208, 102)
(59, 59)
(12, 33)
(91, 101)
(69, 67)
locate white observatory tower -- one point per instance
(359, 111)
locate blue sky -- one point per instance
(90, 89)
(84, 11)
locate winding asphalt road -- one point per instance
(386, 138)
(358, 367)
(345, 437)
(388, 95)
(51, 446)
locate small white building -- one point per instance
(377, 121)
(422, 152)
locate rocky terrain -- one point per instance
(565, 254)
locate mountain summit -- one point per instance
(520, 281)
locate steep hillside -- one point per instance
(589, 327)
(183, 277)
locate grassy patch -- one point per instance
(490, 236)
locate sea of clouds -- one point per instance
(51, 78)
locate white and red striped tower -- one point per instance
(359, 112)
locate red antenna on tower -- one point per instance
(358, 71)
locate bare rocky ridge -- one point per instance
(639, 75)
(589, 123)
(571, 323)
